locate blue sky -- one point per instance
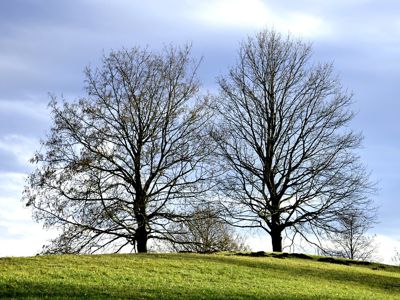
(44, 46)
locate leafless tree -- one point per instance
(119, 165)
(204, 232)
(284, 142)
(350, 239)
(396, 257)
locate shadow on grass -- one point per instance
(379, 281)
(275, 255)
(339, 261)
(332, 260)
(53, 290)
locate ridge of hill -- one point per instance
(195, 276)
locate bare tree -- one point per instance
(284, 142)
(396, 257)
(350, 239)
(204, 232)
(119, 165)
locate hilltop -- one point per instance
(196, 276)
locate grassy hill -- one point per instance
(195, 276)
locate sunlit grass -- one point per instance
(192, 276)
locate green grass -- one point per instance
(192, 276)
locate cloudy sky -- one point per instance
(44, 46)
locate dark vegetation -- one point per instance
(339, 261)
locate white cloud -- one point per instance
(19, 234)
(11, 208)
(258, 241)
(21, 147)
(34, 109)
(254, 14)
(232, 13)
(302, 24)
(12, 63)
(27, 246)
(386, 247)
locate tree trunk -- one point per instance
(141, 239)
(142, 222)
(276, 229)
(276, 236)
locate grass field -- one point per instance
(193, 276)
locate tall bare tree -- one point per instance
(119, 164)
(284, 141)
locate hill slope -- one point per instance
(193, 276)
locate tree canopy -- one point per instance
(130, 161)
(119, 166)
(284, 140)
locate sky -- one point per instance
(45, 45)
